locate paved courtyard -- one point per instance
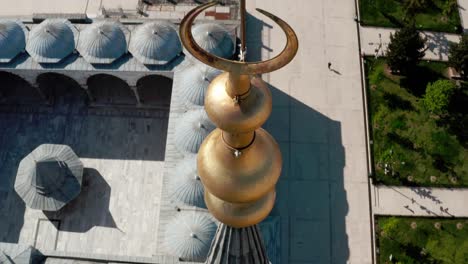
(123, 154)
(323, 198)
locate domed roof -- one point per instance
(192, 129)
(185, 185)
(155, 43)
(103, 42)
(194, 80)
(214, 38)
(52, 40)
(189, 235)
(12, 39)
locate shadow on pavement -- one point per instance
(311, 200)
(89, 209)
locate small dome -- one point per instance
(185, 185)
(189, 235)
(103, 42)
(194, 80)
(155, 43)
(12, 39)
(214, 38)
(52, 40)
(193, 127)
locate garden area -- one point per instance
(434, 15)
(412, 240)
(414, 143)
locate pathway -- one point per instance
(419, 201)
(323, 199)
(376, 39)
(463, 9)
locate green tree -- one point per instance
(458, 56)
(449, 7)
(438, 96)
(405, 50)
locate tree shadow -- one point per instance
(438, 44)
(392, 19)
(395, 102)
(89, 209)
(416, 81)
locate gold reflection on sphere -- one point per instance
(240, 214)
(241, 179)
(249, 114)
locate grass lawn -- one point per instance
(390, 13)
(410, 145)
(422, 240)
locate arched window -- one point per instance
(155, 90)
(110, 90)
(58, 87)
(16, 90)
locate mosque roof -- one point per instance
(103, 42)
(189, 235)
(184, 183)
(194, 80)
(193, 127)
(13, 36)
(155, 43)
(214, 38)
(52, 40)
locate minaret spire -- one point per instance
(239, 163)
(243, 49)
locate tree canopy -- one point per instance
(405, 50)
(438, 96)
(458, 56)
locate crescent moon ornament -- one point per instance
(238, 67)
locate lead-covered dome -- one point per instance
(192, 128)
(185, 185)
(189, 235)
(12, 39)
(103, 42)
(155, 43)
(214, 38)
(52, 40)
(193, 81)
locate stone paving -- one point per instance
(375, 39)
(463, 9)
(323, 198)
(419, 201)
(117, 210)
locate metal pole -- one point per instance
(243, 25)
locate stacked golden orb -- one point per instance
(239, 163)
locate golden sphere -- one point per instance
(241, 179)
(247, 115)
(240, 214)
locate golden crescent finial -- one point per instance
(242, 68)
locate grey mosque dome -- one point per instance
(189, 235)
(214, 38)
(12, 39)
(155, 43)
(52, 40)
(185, 185)
(194, 81)
(103, 42)
(192, 128)
(49, 177)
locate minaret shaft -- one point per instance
(237, 85)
